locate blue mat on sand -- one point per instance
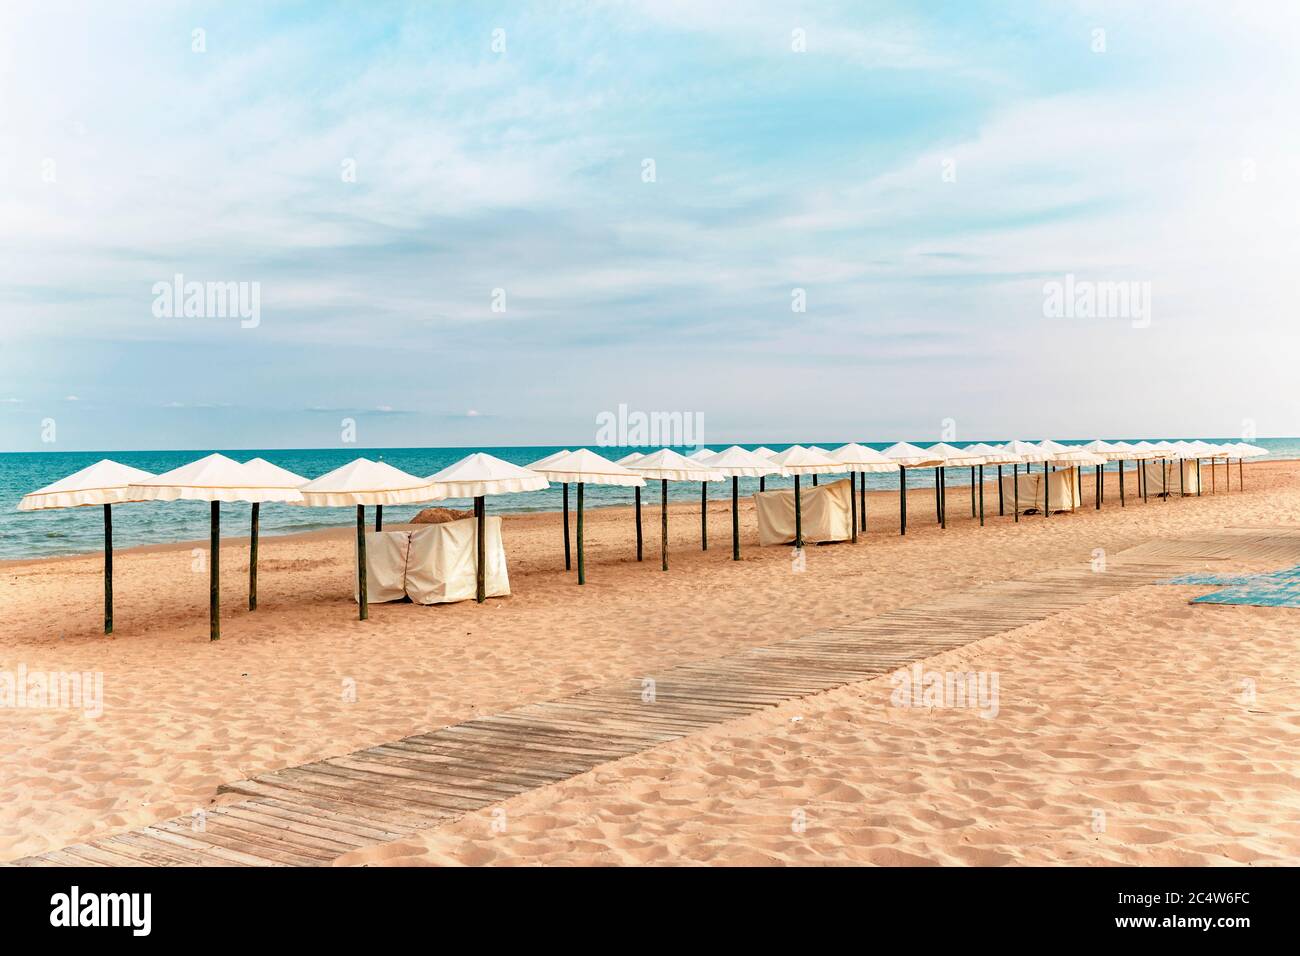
(1274, 589)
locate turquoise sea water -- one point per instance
(80, 530)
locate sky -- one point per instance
(488, 224)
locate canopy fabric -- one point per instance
(1021, 451)
(628, 459)
(858, 457)
(764, 451)
(543, 462)
(1048, 450)
(273, 476)
(366, 482)
(736, 462)
(957, 457)
(1106, 450)
(1080, 456)
(586, 467)
(993, 454)
(668, 465)
(213, 478)
(103, 483)
(702, 454)
(481, 474)
(908, 455)
(798, 460)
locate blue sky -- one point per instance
(919, 170)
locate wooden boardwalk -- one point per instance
(311, 814)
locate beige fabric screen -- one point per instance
(1154, 487)
(440, 567)
(1064, 490)
(825, 512)
(385, 566)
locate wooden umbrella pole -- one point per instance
(1121, 482)
(735, 518)
(252, 561)
(1002, 507)
(108, 569)
(972, 491)
(762, 483)
(480, 579)
(1015, 488)
(1164, 479)
(1241, 474)
(814, 479)
(582, 558)
(568, 565)
(853, 510)
(981, 496)
(938, 505)
(1097, 490)
(798, 516)
(663, 522)
(943, 497)
(379, 517)
(704, 516)
(638, 524)
(902, 500)
(1198, 477)
(862, 500)
(362, 595)
(1047, 492)
(214, 575)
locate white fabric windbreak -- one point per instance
(442, 562)
(1063, 486)
(213, 478)
(825, 513)
(1171, 481)
(103, 483)
(386, 555)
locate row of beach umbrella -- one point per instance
(363, 483)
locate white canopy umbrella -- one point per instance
(972, 457)
(736, 463)
(364, 482)
(1108, 452)
(213, 479)
(1241, 451)
(1019, 452)
(585, 467)
(951, 455)
(104, 483)
(861, 459)
(628, 459)
(798, 460)
(542, 463)
(268, 476)
(666, 465)
(906, 455)
(476, 476)
(701, 455)
(765, 452)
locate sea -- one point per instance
(39, 534)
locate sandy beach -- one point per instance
(1131, 708)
